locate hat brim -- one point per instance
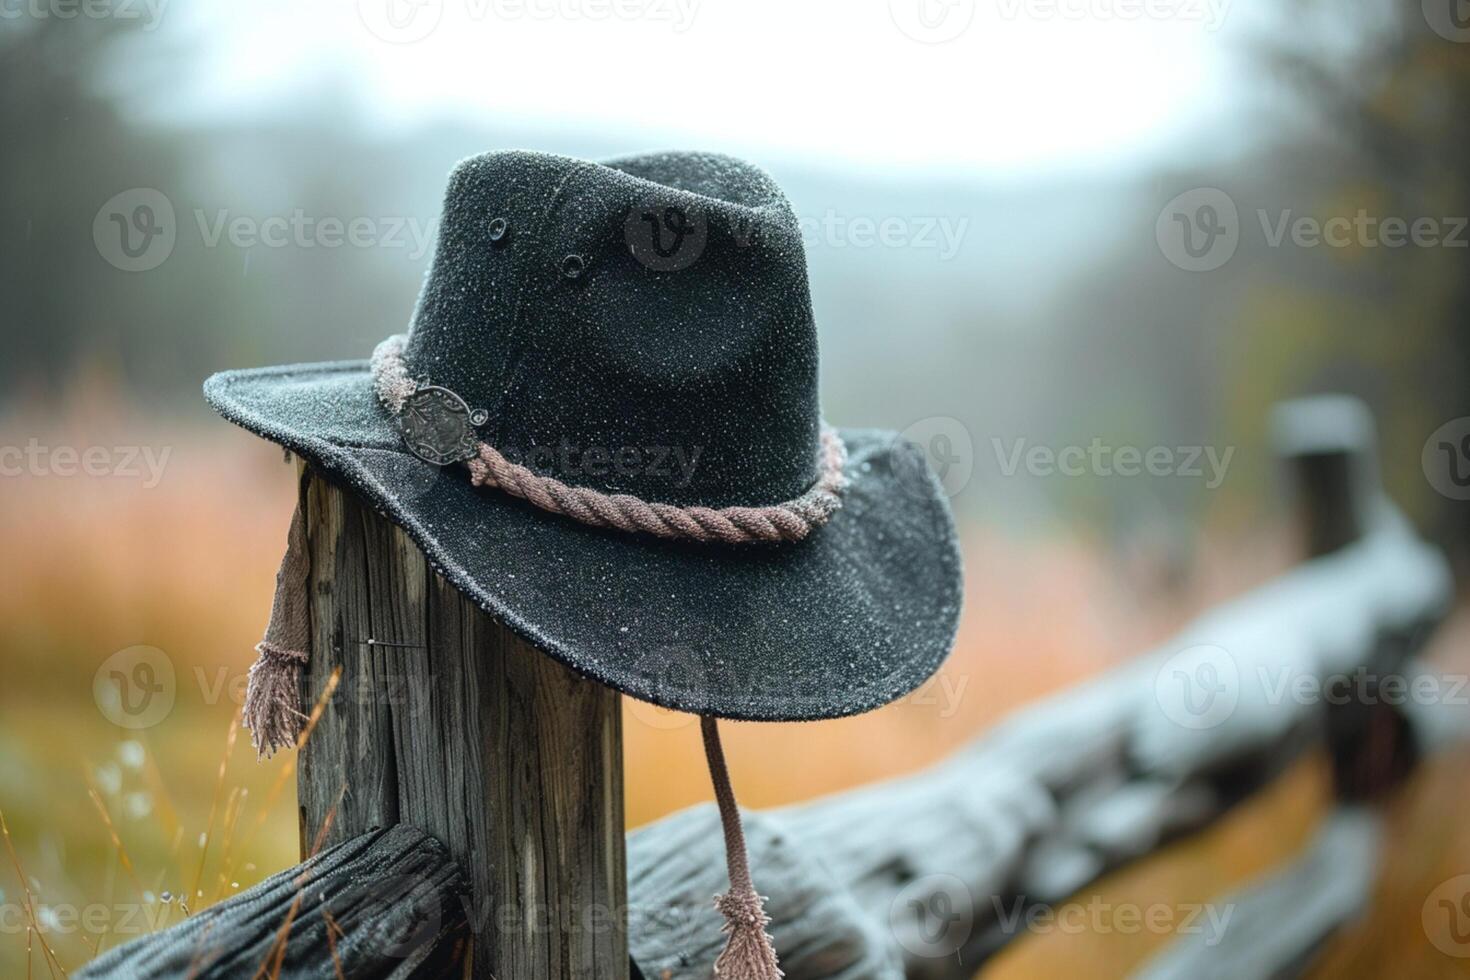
(855, 616)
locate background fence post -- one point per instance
(1330, 443)
(443, 719)
(1330, 447)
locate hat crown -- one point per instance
(642, 326)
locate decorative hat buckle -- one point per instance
(439, 427)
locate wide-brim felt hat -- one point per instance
(636, 333)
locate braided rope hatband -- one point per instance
(789, 521)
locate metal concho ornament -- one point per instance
(438, 427)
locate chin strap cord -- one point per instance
(748, 953)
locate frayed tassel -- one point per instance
(273, 696)
(272, 699)
(748, 953)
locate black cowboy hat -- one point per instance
(633, 342)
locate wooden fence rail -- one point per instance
(923, 877)
(1060, 793)
(387, 903)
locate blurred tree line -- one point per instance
(65, 143)
(1390, 323)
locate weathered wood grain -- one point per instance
(384, 904)
(348, 768)
(445, 720)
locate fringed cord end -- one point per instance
(273, 696)
(749, 953)
(273, 699)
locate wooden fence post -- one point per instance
(1330, 448)
(445, 720)
(1330, 444)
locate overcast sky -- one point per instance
(991, 87)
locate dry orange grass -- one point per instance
(105, 818)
